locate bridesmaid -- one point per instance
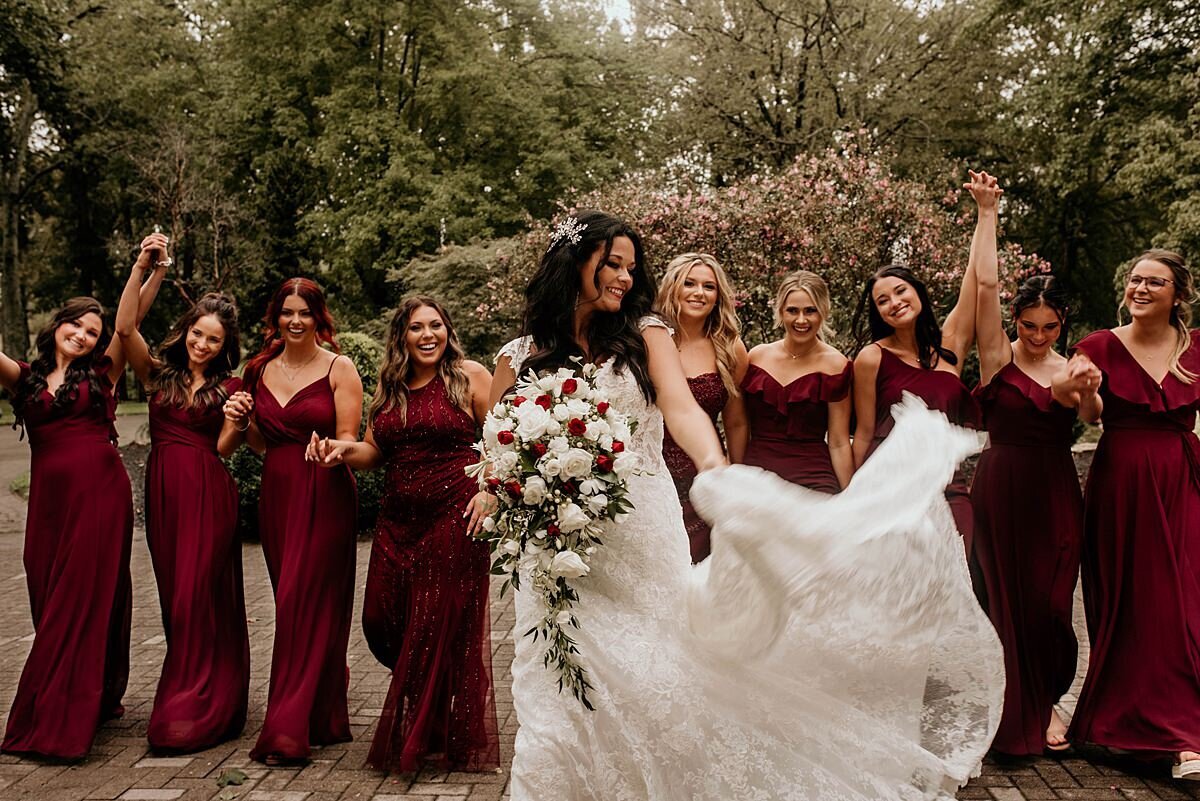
(696, 300)
(307, 518)
(911, 353)
(1028, 507)
(1142, 520)
(191, 522)
(79, 529)
(425, 614)
(797, 392)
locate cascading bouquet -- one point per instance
(554, 456)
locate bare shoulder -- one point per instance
(868, 358)
(760, 352)
(833, 359)
(474, 369)
(343, 368)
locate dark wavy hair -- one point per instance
(172, 380)
(273, 341)
(870, 327)
(81, 370)
(553, 294)
(1041, 290)
(392, 392)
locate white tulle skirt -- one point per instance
(830, 648)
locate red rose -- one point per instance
(604, 463)
(517, 401)
(493, 484)
(570, 488)
(513, 487)
(618, 446)
(553, 530)
(544, 401)
(576, 427)
(505, 437)
(602, 408)
(569, 386)
(539, 449)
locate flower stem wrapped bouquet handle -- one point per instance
(554, 456)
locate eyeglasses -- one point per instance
(1153, 282)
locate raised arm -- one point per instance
(10, 372)
(958, 332)
(733, 416)
(689, 425)
(995, 350)
(1077, 386)
(135, 303)
(866, 368)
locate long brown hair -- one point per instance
(273, 342)
(721, 326)
(392, 391)
(1181, 313)
(171, 380)
(81, 370)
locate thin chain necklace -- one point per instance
(295, 371)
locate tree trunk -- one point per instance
(14, 326)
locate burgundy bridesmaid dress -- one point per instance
(940, 390)
(788, 425)
(307, 525)
(78, 537)
(1141, 558)
(191, 528)
(1028, 533)
(709, 391)
(425, 611)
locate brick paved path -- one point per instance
(121, 767)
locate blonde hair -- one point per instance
(1181, 314)
(815, 286)
(392, 389)
(722, 325)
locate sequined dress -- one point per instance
(709, 391)
(425, 611)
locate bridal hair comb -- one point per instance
(569, 229)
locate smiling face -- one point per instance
(800, 317)
(296, 321)
(602, 286)
(698, 293)
(425, 337)
(1150, 290)
(204, 341)
(1038, 328)
(76, 338)
(897, 302)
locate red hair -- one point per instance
(308, 290)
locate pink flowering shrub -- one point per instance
(841, 214)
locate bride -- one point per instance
(830, 648)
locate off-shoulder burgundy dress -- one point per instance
(1141, 558)
(940, 390)
(191, 528)
(307, 524)
(1028, 533)
(789, 424)
(425, 611)
(78, 538)
(709, 391)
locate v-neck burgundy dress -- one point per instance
(709, 391)
(1141, 558)
(940, 390)
(78, 538)
(191, 529)
(789, 424)
(1028, 533)
(307, 525)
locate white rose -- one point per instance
(605, 442)
(553, 428)
(561, 412)
(590, 486)
(576, 463)
(547, 383)
(559, 445)
(579, 407)
(597, 504)
(505, 462)
(491, 427)
(489, 524)
(625, 463)
(535, 491)
(620, 430)
(549, 467)
(568, 565)
(531, 421)
(571, 517)
(596, 429)
(510, 547)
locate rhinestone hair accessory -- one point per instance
(569, 230)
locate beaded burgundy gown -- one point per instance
(191, 529)
(425, 611)
(1028, 533)
(709, 391)
(78, 538)
(940, 390)
(1141, 558)
(307, 524)
(789, 423)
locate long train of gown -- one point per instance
(830, 648)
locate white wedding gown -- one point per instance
(830, 648)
